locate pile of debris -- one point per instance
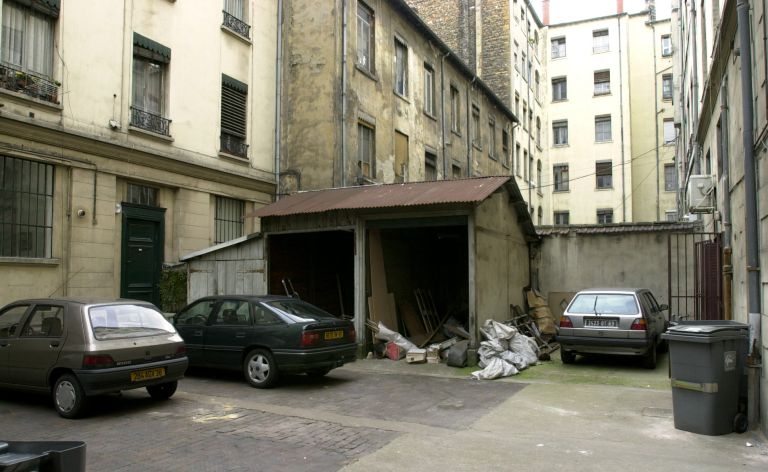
(504, 352)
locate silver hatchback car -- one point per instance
(76, 348)
(613, 321)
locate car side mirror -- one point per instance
(663, 307)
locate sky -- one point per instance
(562, 11)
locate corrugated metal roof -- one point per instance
(385, 196)
(618, 228)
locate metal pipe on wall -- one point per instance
(621, 124)
(656, 122)
(278, 95)
(343, 126)
(726, 217)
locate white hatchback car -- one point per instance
(613, 321)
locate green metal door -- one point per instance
(142, 252)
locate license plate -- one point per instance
(601, 322)
(338, 334)
(148, 374)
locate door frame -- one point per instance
(144, 213)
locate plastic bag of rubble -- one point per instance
(494, 330)
(395, 337)
(497, 367)
(526, 348)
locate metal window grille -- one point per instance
(228, 219)
(365, 36)
(604, 174)
(26, 208)
(561, 177)
(602, 128)
(235, 16)
(602, 82)
(141, 195)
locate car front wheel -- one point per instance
(163, 391)
(260, 369)
(69, 396)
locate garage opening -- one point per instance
(425, 268)
(319, 265)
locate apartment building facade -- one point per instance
(721, 153)
(127, 142)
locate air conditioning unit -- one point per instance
(700, 193)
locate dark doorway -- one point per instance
(320, 266)
(695, 270)
(142, 252)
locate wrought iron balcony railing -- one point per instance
(234, 145)
(35, 86)
(237, 25)
(150, 122)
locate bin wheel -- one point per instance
(740, 423)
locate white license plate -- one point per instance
(601, 323)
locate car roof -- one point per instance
(82, 301)
(624, 290)
(255, 298)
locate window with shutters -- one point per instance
(150, 69)
(234, 95)
(602, 82)
(600, 41)
(228, 219)
(365, 37)
(604, 174)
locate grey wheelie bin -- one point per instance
(707, 360)
(42, 456)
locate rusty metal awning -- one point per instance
(473, 190)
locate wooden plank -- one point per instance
(413, 324)
(382, 303)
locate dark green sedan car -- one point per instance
(264, 336)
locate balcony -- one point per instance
(234, 145)
(150, 122)
(237, 25)
(34, 86)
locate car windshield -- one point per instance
(298, 311)
(127, 321)
(604, 303)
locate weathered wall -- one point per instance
(453, 21)
(239, 269)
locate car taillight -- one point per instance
(310, 338)
(181, 351)
(352, 334)
(638, 324)
(97, 361)
(566, 322)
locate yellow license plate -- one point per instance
(328, 335)
(148, 374)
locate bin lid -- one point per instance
(708, 333)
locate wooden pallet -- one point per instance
(528, 327)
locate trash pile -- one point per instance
(505, 351)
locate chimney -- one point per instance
(545, 5)
(619, 7)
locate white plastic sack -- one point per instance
(496, 368)
(395, 337)
(494, 330)
(526, 347)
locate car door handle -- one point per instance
(198, 332)
(54, 344)
(4, 344)
(239, 335)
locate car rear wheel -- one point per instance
(649, 359)
(568, 357)
(163, 391)
(260, 369)
(318, 372)
(69, 397)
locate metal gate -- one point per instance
(695, 276)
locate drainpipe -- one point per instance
(344, 93)
(656, 121)
(621, 119)
(750, 201)
(278, 95)
(446, 168)
(727, 251)
(695, 92)
(469, 128)
(527, 79)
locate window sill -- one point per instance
(159, 137)
(607, 141)
(233, 157)
(666, 99)
(492, 157)
(608, 94)
(30, 261)
(602, 189)
(600, 52)
(401, 96)
(31, 100)
(456, 132)
(477, 146)
(562, 191)
(237, 35)
(430, 115)
(565, 145)
(560, 100)
(371, 75)
(559, 57)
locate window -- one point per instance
(430, 166)
(429, 90)
(517, 105)
(560, 172)
(602, 82)
(540, 216)
(558, 47)
(562, 218)
(517, 159)
(600, 41)
(604, 216)
(603, 128)
(525, 165)
(538, 174)
(234, 106)
(526, 74)
(604, 174)
(141, 195)
(476, 126)
(45, 321)
(26, 56)
(365, 37)
(538, 131)
(228, 219)
(455, 109)
(559, 89)
(366, 150)
(666, 87)
(536, 85)
(455, 171)
(670, 185)
(666, 45)
(10, 319)
(530, 168)
(150, 64)
(233, 313)
(671, 215)
(401, 68)
(669, 132)
(235, 17)
(560, 132)
(492, 137)
(505, 147)
(525, 116)
(514, 59)
(26, 208)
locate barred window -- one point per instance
(26, 208)
(141, 195)
(228, 219)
